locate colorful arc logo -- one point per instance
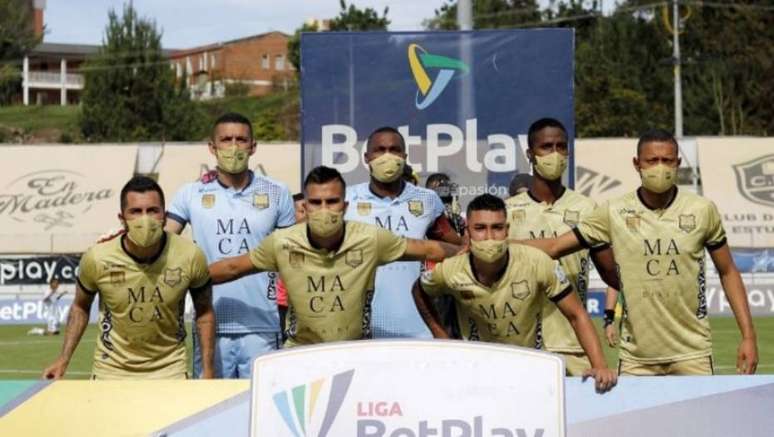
(298, 405)
(420, 62)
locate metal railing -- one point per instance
(53, 79)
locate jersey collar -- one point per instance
(371, 193)
(536, 200)
(152, 259)
(671, 201)
(251, 178)
(500, 274)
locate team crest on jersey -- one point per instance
(364, 208)
(172, 277)
(416, 207)
(571, 218)
(518, 216)
(117, 277)
(633, 223)
(687, 222)
(296, 259)
(208, 201)
(354, 258)
(261, 200)
(520, 290)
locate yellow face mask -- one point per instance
(232, 159)
(659, 178)
(489, 250)
(324, 222)
(144, 231)
(387, 168)
(551, 166)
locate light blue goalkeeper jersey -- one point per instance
(226, 223)
(411, 215)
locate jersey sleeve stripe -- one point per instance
(580, 238)
(562, 295)
(717, 245)
(86, 290)
(599, 248)
(176, 218)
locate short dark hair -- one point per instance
(519, 181)
(486, 202)
(541, 124)
(656, 135)
(232, 117)
(386, 129)
(322, 175)
(437, 179)
(297, 197)
(140, 184)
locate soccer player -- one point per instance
(659, 234)
(328, 264)
(51, 302)
(229, 214)
(141, 279)
(547, 209)
(405, 210)
(501, 289)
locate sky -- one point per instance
(191, 23)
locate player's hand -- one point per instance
(56, 370)
(209, 176)
(747, 357)
(605, 379)
(111, 234)
(612, 335)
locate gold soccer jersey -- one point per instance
(509, 311)
(530, 219)
(661, 259)
(329, 294)
(141, 307)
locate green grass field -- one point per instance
(24, 357)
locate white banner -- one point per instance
(603, 167)
(408, 388)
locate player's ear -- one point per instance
(346, 205)
(679, 161)
(530, 155)
(121, 219)
(211, 147)
(252, 147)
(636, 164)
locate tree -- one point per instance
(17, 37)
(129, 92)
(488, 14)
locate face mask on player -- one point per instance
(325, 223)
(551, 166)
(659, 178)
(144, 231)
(232, 159)
(489, 250)
(387, 168)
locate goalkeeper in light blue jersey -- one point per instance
(406, 210)
(230, 212)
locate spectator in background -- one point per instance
(447, 191)
(410, 176)
(519, 184)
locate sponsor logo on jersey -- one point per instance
(571, 218)
(354, 258)
(687, 222)
(208, 201)
(364, 208)
(296, 259)
(416, 208)
(172, 277)
(261, 200)
(520, 290)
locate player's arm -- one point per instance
(443, 230)
(570, 305)
(173, 225)
(427, 310)
(428, 250)
(556, 248)
(77, 320)
(205, 326)
(611, 300)
(747, 353)
(604, 261)
(231, 269)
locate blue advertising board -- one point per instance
(462, 100)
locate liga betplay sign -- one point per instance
(408, 389)
(462, 100)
